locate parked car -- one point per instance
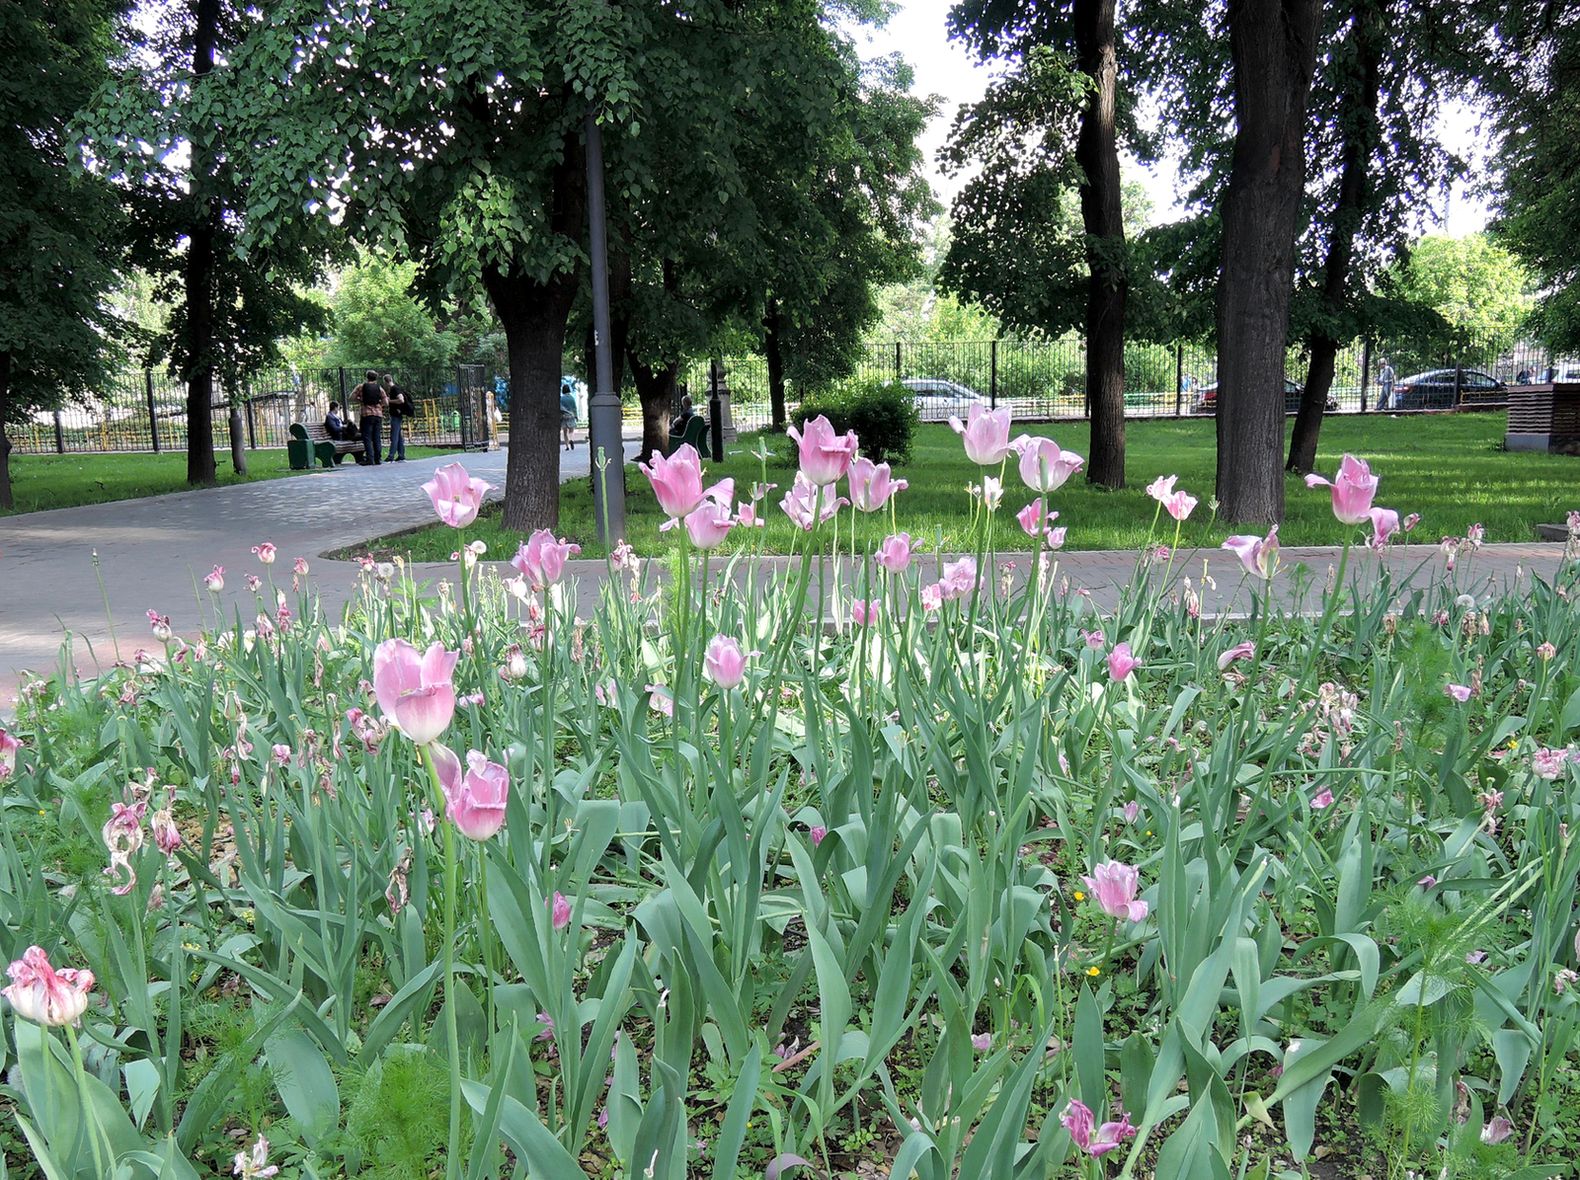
(1207, 400)
(1434, 390)
(938, 400)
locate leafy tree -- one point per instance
(59, 225)
(1046, 132)
(379, 322)
(1479, 287)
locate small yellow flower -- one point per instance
(1094, 972)
(1079, 896)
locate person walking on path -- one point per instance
(1385, 378)
(400, 408)
(371, 396)
(568, 410)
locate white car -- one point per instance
(938, 400)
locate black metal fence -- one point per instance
(147, 411)
(1046, 379)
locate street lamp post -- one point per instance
(603, 409)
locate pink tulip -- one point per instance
(870, 485)
(541, 561)
(747, 516)
(660, 700)
(1353, 489)
(986, 435)
(299, 566)
(1115, 885)
(9, 745)
(932, 596)
(1497, 1130)
(676, 480)
(1121, 661)
(255, 1165)
(894, 554)
(160, 625)
(1240, 651)
(1460, 692)
(44, 995)
(817, 832)
(456, 496)
(1094, 1140)
(1549, 763)
(559, 911)
(1044, 467)
(1322, 800)
(864, 613)
(981, 1042)
(1385, 523)
(825, 456)
(414, 688)
(805, 498)
(960, 578)
(215, 579)
(1259, 555)
(724, 663)
(1035, 521)
(1178, 504)
(1130, 811)
(474, 801)
(264, 553)
(708, 524)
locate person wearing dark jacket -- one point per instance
(370, 395)
(400, 409)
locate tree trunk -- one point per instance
(655, 389)
(1272, 45)
(772, 326)
(533, 315)
(1359, 119)
(1097, 155)
(199, 272)
(5, 443)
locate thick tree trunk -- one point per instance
(1359, 117)
(533, 315)
(655, 389)
(1273, 48)
(5, 442)
(772, 326)
(199, 273)
(1097, 154)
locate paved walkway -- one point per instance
(153, 553)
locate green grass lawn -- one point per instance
(1448, 468)
(65, 481)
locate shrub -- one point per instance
(882, 413)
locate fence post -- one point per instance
(993, 374)
(896, 362)
(1366, 370)
(252, 430)
(60, 436)
(344, 409)
(153, 419)
(1179, 377)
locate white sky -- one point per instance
(919, 32)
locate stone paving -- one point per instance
(153, 553)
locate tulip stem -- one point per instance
(452, 1164)
(94, 1131)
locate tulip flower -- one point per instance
(708, 524)
(9, 745)
(1385, 523)
(1094, 1140)
(986, 435)
(255, 1165)
(932, 596)
(806, 498)
(824, 456)
(1259, 555)
(724, 663)
(1178, 504)
(1044, 466)
(414, 688)
(474, 799)
(981, 1042)
(456, 496)
(160, 625)
(1322, 800)
(864, 613)
(44, 995)
(817, 833)
(264, 553)
(1353, 489)
(1121, 661)
(1497, 1130)
(870, 485)
(1460, 692)
(894, 554)
(1548, 763)
(960, 578)
(660, 700)
(1114, 886)
(1036, 521)
(559, 913)
(541, 561)
(676, 480)
(1240, 651)
(215, 579)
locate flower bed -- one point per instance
(972, 882)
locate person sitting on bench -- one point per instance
(678, 426)
(339, 429)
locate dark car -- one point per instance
(1435, 390)
(1207, 401)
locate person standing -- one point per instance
(370, 394)
(1386, 379)
(400, 408)
(568, 410)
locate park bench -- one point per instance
(695, 431)
(311, 441)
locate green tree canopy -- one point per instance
(1480, 288)
(378, 320)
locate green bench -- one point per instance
(696, 430)
(309, 442)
